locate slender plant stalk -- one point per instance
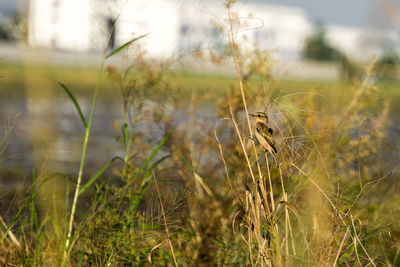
(83, 156)
(127, 150)
(224, 162)
(248, 161)
(13, 239)
(356, 239)
(291, 234)
(287, 216)
(250, 240)
(239, 76)
(340, 247)
(272, 201)
(270, 184)
(86, 139)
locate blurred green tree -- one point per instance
(388, 66)
(317, 48)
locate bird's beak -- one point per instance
(251, 115)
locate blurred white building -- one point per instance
(159, 18)
(280, 29)
(174, 26)
(361, 43)
(184, 26)
(65, 24)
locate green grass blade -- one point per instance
(162, 142)
(24, 205)
(124, 132)
(80, 262)
(122, 47)
(13, 220)
(143, 186)
(33, 218)
(78, 108)
(153, 166)
(97, 175)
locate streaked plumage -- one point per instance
(263, 133)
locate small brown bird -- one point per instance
(263, 133)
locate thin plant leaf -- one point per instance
(81, 254)
(122, 47)
(34, 220)
(143, 186)
(16, 217)
(197, 176)
(290, 206)
(162, 142)
(153, 166)
(123, 132)
(154, 248)
(78, 108)
(97, 175)
(13, 221)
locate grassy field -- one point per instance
(195, 190)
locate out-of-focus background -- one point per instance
(74, 32)
(326, 70)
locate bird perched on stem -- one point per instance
(263, 133)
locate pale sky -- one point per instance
(8, 7)
(347, 12)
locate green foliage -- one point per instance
(388, 66)
(317, 48)
(148, 172)
(389, 58)
(77, 106)
(124, 46)
(4, 33)
(97, 175)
